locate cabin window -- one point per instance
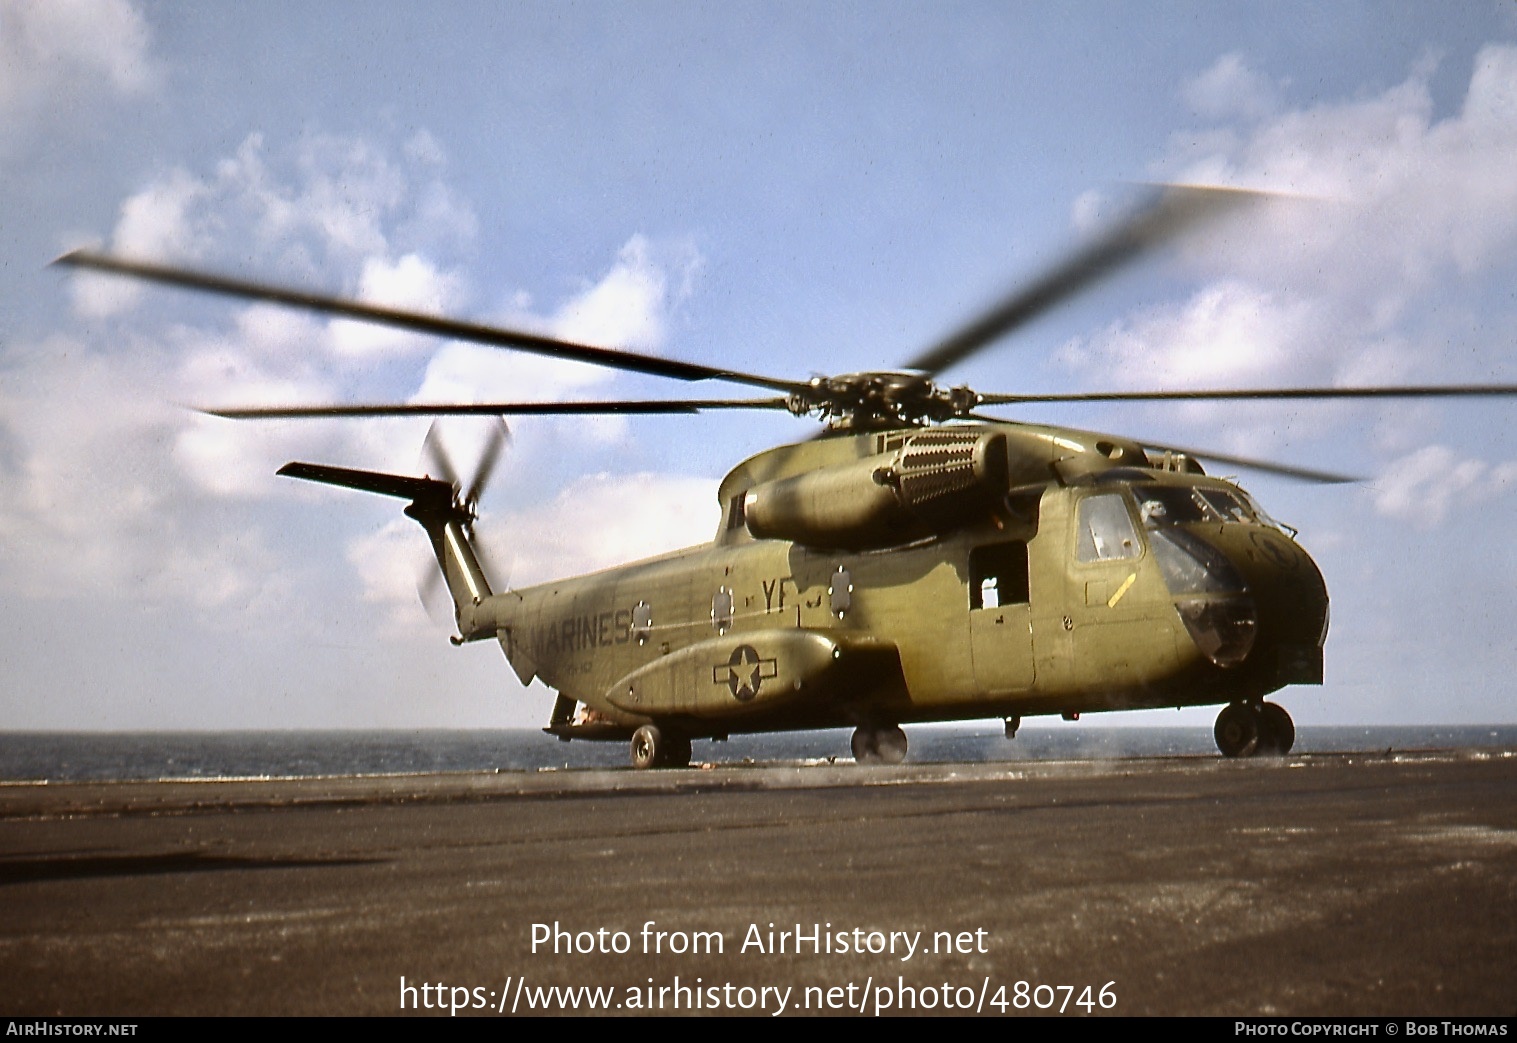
(998, 575)
(1106, 531)
(642, 621)
(721, 610)
(840, 593)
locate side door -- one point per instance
(1000, 617)
(1116, 635)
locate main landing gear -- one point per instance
(652, 747)
(1254, 729)
(879, 745)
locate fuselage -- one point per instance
(1030, 571)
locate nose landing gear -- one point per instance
(1254, 729)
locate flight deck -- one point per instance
(1320, 884)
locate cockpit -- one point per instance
(1161, 505)
(1164, 504)
(1209, 592)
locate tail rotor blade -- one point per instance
(434, 455)
(497, 569)
(434, 599)
(500, 434)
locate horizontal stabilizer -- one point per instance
(405, 487)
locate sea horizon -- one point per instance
(53, 756)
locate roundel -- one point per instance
(744, 673)
(1275, 550)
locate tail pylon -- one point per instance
(436, 506)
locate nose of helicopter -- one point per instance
(1289, 600)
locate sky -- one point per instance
(783, 188)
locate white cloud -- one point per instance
(121, 491)
(653, 513)
(1425, 486)
(114, 486)
(327, 205)
(629, 306)
(410, 283)
(467, 373)
(1227, 334)
(1230, 88)
(90, 505)
(155, 224)
(1404, 197)
(1388, 210)
(390, 562)
(603, 520)
(53, 47)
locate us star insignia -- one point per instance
(744, 672)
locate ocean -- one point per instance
(30, 757)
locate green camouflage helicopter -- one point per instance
(919, 561)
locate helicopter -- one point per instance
(917, 561)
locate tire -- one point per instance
(865, 746)
(1238, 730)
(1279, 731)
(647, 747)
(891, 745)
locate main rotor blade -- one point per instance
(1286, 470)
(1262, 394)
(1165, 212)
(417, 322)
(1305, 474)
(635, 407)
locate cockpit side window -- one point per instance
(1168, 505)
(1106, 531)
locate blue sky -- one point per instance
(783, 188)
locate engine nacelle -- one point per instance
(936, 481)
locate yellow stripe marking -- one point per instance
(1126, 583)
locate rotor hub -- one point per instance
(869, 400)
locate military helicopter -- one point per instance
(918, 561)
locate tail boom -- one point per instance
(434, 505)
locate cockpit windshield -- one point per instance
(1161, 505)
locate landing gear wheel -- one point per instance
(891, 744)
(647, 747)
(1279, 731)
(879, 745)
(1238, 730)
